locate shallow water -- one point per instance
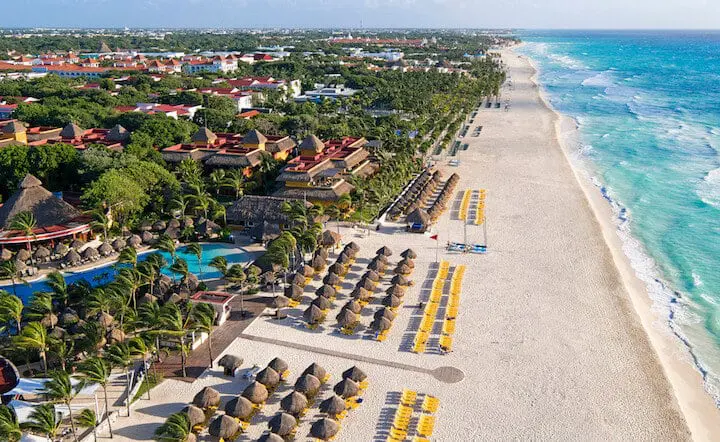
(647, 106)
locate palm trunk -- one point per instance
(182, 356)
(44, 362)
(107, 410)
(72, 422)
(127, 382)
(210, 352)
(157, 348)
(147, 378)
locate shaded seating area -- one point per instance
(417, 194)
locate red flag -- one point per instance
(435, 237)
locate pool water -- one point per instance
(103, 275)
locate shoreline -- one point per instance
(698, 407)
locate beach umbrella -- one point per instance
(230, 363)
(278, 365)
(316, 370)
(324, 429)
(224, 427)
(159, 226)
(321, 303)
(69, 317)
(381, 324)
(323, 253)
(145, 225)
(395, 290)
(206, 398)
(371, 275)
(49, 320)
(195, 415)
(332, 279)
(22, 255)
(418, 216)
(329, 238)
(409, 253)
(239, 407)
(294, 403)
(384, 250)
(338, 269)
(367, 284)
(318, 263)
(76, 244)
(294, 292)
(308, 271)
(353, 245)
(403, 270)
(256, 393)
(400, 280)
(354, 374)
(326, 291)
(105, 249)
(280, 301)
(6, 254)
(376, 265)
(90, 253)
(134, 241)
(361, 294)
(268, 377)
(407, 262)
(346, 318)
(391, 301)
(173, 224)
(172, 233)
(343, 259)
(115, 335)
(298, 279)
(333, 405)
(271, 437)
(385, 313)
(350, 252)
(41, 252)
(119, 244)
(73, 258)
(308, 385)
(147, 298)
(282, 424)
(147, 237)
(346, 388)
(353, 306)
(21, 267)
(382, 258)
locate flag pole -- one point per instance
(437, 247)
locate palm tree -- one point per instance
(177, 323)
(218, 211)
(59, 388)
(196, 249)
(202, 203)
(176, 428)
(87, 419)
(220, 264)
(204, 317)
(236, 181)
(26, 223)
(131, 280)
(97, 371)
(167, 244)
(43, 419)
(63, 349)
(41, 307)
(138, 347)
(128, 255)
(9, 425)
(217, 180)
(101, 221)
(11, 309)
(236, 276)
(34, 337)
(119, 356)
(9, 270)
(58, 285)
(150, 317)
(180, 266)
(180, 203)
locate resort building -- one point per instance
(172, 111)
(217, 64)
(320, 173)
(12, 132)
(261, 217)
(242, 99)
(265, 83)
(56, 219)
(326, 92)
(220, 302)
(230, 150)
(114, 139)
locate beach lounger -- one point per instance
(430, 404)
(477, 248)
(426, 425)
(408, 397)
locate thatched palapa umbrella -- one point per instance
(353, 306)
(324, 429)
(407, 262)
(105, 249)
(400, 280)
(282, 424)
(90, 253)
(224, 427)
(338, 269)
(195, 415)
(22, 255)
(371, 275)
(147, 237)
(308, 385)
(318, 263)
(402, 269)
(145, 225)
(352, 253)
(361, 294)
(322, 303)
(256, 393)
(323, 253)
(77, 244)
(385, 251)
(333, 406)
(294, 403)
(61, 249)
(326, 291)
(271, 437)
(278, 365)
(147, 298)
(280, 301)
(297, 279)
(395, 290)
(119, 244)
(206, 398)
(268, 377)
(391, 301)
(134, 241)
(239, 407)
(73, 258)
(353, 245)
(385, 313)
(381, 324)
(366, 283)
(382, 258)
(343, 259)
(230, 363)
(316, 370)
(159, 226)
(308, 271)
(329, 238)
(354, 374)
(409, 253)
(377, 266)
(42, 252)
(346, 388)
(294, 292)
(346, 318)
(331, 279)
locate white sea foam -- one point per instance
(603, 79)
(709, 188)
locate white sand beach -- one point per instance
(555, 339)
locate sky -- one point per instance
(539, 14)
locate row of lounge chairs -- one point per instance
(431, 308)
(451, 309)
(400, 429)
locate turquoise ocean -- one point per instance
(647, 107)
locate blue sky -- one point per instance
(704, 14)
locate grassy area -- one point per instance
(154, 381)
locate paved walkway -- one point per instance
(449, 375)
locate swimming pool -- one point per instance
(106, 273)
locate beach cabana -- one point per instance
(230, 363)
(280, 366)
(354, 374)
(208, 397)
(224, 427)
(239, 407)
(324, 429)
(333, 406)
(346, 388)
(282, 424)
(308, 384)
(326, 291)
(268, 377)
(256, 393)
(294, 403)
(322, 303)
(418, 220)
(195, 415)
(317, 371)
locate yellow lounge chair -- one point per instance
(426, 425)
(408, 397)
(430, 404)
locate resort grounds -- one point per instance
(548, 344)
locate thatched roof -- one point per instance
(372, 275)
(224, 427)
(316, 370)
(230, 362)
(256, 393)
(322, 303)
(353, 306)
(312, 143)
(258, 209)
(331, 279)
(119, 244)
(239, 407)
(391, 301)
(384, 250)
(318, 263)
(42, 252)
(90, 253)
(361, 293)
(73, 257)
(271, 437)
(47, 209)
(206, 227)
(346, 317)
(134, 241)
(308, 271)
(71, 130)
(403, 269)
(395, 290)
(282, 424)
(77, 244)
(195, 415)
(385, 313)
(337, 268)
(297, 279)
(278, 365)
(326, 291)
(376, 265)
(294, 403)
(61, 249)
(23, 255)
(418, 216)
(268, 377)
(353, 245)
(333, 405)
(159, 225)
(207, 397)
(343, 258)
(346, 388)
(118, 134)
(105, 249)
(203, 135)
(324, 429)
(280, 301)
(329, 238)
(294, 292)
(355, 374)
(408, 262)
(147, 237)
(401, 280)
(307, 384)
(254, 137)
(13, 127)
